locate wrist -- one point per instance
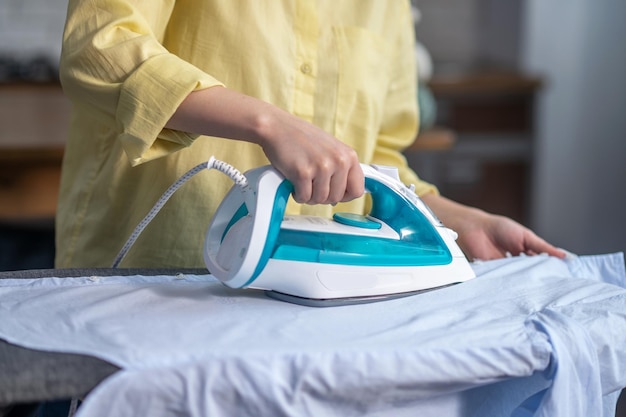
(455, 215)
(262, 124)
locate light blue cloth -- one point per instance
(530, 336)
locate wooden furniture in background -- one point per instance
(434, 139)
(34, 119)
(491, 117)
(29, 184)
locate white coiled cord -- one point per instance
(229, 170)
(212, 163)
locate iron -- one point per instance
(400, 248)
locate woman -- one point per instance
(312, 87)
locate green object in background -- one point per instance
(427, 107)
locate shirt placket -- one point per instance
(306, 32)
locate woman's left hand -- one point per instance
(487, 236)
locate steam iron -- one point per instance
(399, 249)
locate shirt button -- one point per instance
(306, 68)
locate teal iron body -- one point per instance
(398, 249)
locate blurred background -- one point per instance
(531, 111)
(523, 109)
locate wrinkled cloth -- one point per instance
(530, 336)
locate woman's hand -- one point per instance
(322, 169)
(487, 236)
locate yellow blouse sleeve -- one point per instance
(400, 118)
(114, 64)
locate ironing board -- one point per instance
(31, 376)
(298, 371)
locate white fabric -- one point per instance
(529, 336)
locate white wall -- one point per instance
(580, 178)
(448, 30)
(461, 34)
(31, 28)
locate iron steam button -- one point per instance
(356, 220)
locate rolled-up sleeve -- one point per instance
(148, 98)
(113, 61)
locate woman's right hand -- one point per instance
(322, 169)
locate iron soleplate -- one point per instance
(346, 301)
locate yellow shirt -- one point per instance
(348, 66)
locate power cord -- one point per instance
(239, 179)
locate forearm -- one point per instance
(487, 236)
(453, 214)
(221, 112)
(322, 169)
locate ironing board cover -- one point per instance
(529, 336)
